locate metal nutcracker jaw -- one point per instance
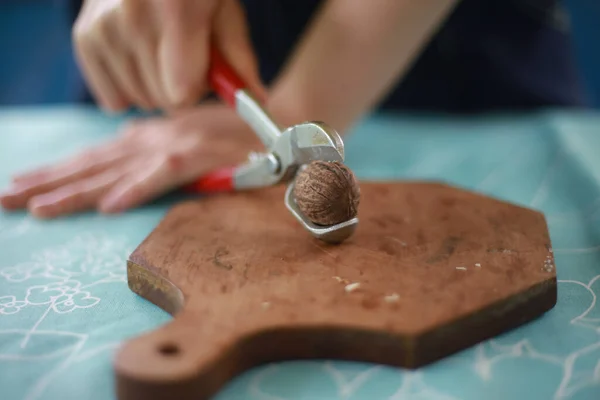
(300, 144)
(295, 146)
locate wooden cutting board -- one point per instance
(430, 270)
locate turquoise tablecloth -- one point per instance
(65, 305)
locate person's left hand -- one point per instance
(148, 159)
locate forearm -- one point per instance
(351, 56)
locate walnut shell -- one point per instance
(327, 193)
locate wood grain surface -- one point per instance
(431, 270)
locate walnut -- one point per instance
(327, 193)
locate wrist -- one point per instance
(290, 104)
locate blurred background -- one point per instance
(585, 24)
(37, 64)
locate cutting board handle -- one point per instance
(181, 358)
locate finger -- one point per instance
(231, 35)
(183, 54)
(147, 60)
(160, 175)
(113, 150)
(124, 65)
(82, 163)
(102, 86)
(50, 178)
(75, 197)
(142, 26)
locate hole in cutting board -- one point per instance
(169, 349)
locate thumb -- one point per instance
(232, 38)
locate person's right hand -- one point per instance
(154, 54)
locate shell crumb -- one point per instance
(351, 287)
(341, 280)
(265, 305)
(548, 265)
(548, 268)
(392, 298)
(462, 268)
(478, 265)
(401, 242)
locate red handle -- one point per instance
(220, 180)
(223, 79)
(225, 82)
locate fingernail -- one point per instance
(41, 208)
(42, 212)
(110, 204)
(19, 190)
(43, 200)
(12, 190)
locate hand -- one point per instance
(154, 54)
(148, 159)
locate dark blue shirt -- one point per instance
(490, 54)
